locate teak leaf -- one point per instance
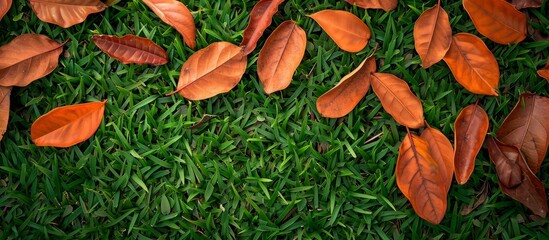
(343, 98)
(260, 18)
(470, 128)
(520, 4)
(27, 58)
(398, 100)
(69, 125)
(527, 127)
(213, 70)
(472, 64)
(544, 72)
(177, 15)
(131, 49)
(280, 56)
(386, 5)
(432, 35)
(442, 152)
(347, 30)
(418, 177)
(498, 20)
(4, 109)
(65, 13)
(4, 7)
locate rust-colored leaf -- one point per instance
(69, 125)
(527, 127)
(520, 4)
(432, 35)
(280, 56)
(442, 152)
(544, 72)
(260, 18)
(524, 187)
(386, 5)
(131, 49)
(27, 58)
(213, 70)
(65, 13)
(343, 98)
(419, 178)
(347, 30)
(398, 100)
(4, 109)
(470, 128)
(473, 64)
(498, 20)
(4, 7)
(177, 15)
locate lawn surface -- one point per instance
(264, 166)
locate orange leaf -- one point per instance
(67, 126)
(65, 13)
(4, 8)
(432, 35)
(347, 30)
(131, 49)
(544, 72)
(4, 109)
(386, 5)
(177, 15)
(442, 152)
(498, 20)
(472, 64)
(398, 100)
(27, 58)
(341, 99)
(260, 18)
(520, 4)
(418, 177)
(213, 70)
(281, 56)
(470, 128)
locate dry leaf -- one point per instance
(520, 4)
(4, 7)
(260, 18)
(177, 15)
(347, 30)
(442, 152)
(131, 49)
(432, 35)
(544, 72)
(4, 109)
(498, 20)
(65, 13)
(386, 5)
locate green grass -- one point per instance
(264, 167)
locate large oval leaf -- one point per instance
(67, 126)
(473, 64)
(497, 20)
(386, 5)
(347, 30)
(213, 70)
(4, 109)
(65, 13)
(470, 128)
(260, 18)
(131, 49)
(177, 15)
(442, 152)
(27, 58)
(4, 7)
(432, 35)
(280, 56)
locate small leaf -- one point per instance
(386, 5)
(442, 152)
(131, 49)
(347, 30)
(177, 15)
(4, 109)
(505, 158)
(432, 35)
(260, 18)
(4, 7)
(497, 20)
(65, 13)
(520, 4)
(544, 72)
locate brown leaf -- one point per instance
(4, 109)
(528, 190)
(527, 127)
(418, 177)
(442, 152)
(260, 18)
(544, 72)
(67, 126)
(27, 58)
(398, 100)
(177, 15)
(386, 5)
(470, 128)
(213, 70)
(432, 35)
(280, 56)
(341, 99)
(4, 7)
(520, 4)
(473, 64)
(65, 13)
(347, 30)
(131, 49)
(498, 20)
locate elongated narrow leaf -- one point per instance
(520, 4)
(527, 127)
(343, 98)
(432, 35)
(4, 109)
(131, 49)
(4, 7)
(386, 5)
(442, 152)
(69, 125)
(260, 18)
(211, 71)
(473, 64)
(398, 100)
(347, 30)
(498, 20)
(419, 178)
(544, 72)
(27, 58)
(177, 15)
(65, 13)
(470, 128)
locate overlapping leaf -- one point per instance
(520, 4)
(177, 15)
(4, 7)
(131, 49)
(544, 72)
(432, 35)
(386, 5)
(260, 18)
(442, 152)
(4, 109)
(65, 13)
(347, 30)
(498, 20)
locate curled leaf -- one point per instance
(386, 5)
(65, 13)
(432, 35)
(505, 158)
(4, 7)
(131, 49)
(520, 4)
(498, 20)
(544, 72)
(177, 15)
(4, 109)
(260, 18)
(442, 152)
(347, 30)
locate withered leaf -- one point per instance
(386, 5)
(498, 20)
(347, 30)
(131, 49)
(65, 13)
(177, 15)
(4, 109)
(260, 18)
(432, 35)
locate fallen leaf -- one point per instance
(386, 5)
(280, 56)
(260, 18)
(520, 4)
(432, 35)
(442, 152)
(205, 118)
(131, 49)
(4, 109)
(4, 7)
(505, 159)
(497, 20)
(544, 72)
(347, 30)
(27, 58)
(481, 198)
(473, 64)
(65, 13)
(69, 125)
(177, 15)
